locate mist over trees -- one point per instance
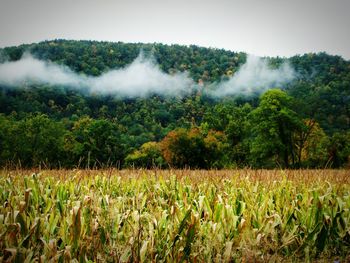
(302, 123)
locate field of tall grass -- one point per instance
(175, 216)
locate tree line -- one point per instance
(269, 135)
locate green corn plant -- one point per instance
(174, 216)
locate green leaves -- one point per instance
(274, 124)
(194, 148)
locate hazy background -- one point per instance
(269, 27)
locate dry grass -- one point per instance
(267, 176)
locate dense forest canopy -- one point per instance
(303, 123)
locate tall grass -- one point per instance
(174, 215)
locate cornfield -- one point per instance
(174, 216)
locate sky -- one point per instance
(259, 27)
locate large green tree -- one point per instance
(148, 156)
(195, 148)
(95, 143)
(33, 141)
(273, 124)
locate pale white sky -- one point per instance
(260, 27)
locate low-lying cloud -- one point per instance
(29, 70)
(254, 77)
(143, 77)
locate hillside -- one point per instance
(93, 128)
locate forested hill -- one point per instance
(207, 64)
(93, 58)
(312, 120)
